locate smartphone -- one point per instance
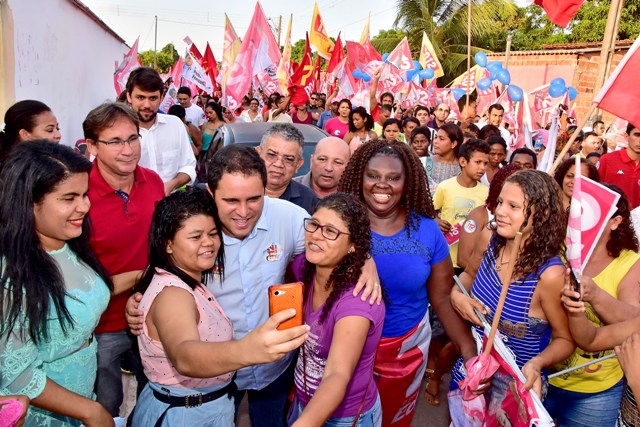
(575, 283)
(286, 296)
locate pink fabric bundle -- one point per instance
(10, 412)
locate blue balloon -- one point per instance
(458, 93)
(357, 74)
(556, 91)
(366, 77)
(504, 76)
(494, 66)
(515, 93)
(385, 56)
(481, 59)
(411, 74)
(559, 81)
(484, 83)
(493, 74)
(573, 92)
(416, 65)
(427, 73)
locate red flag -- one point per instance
(209, 64)
(317, 72)
(303, 79)
(371, 51)
(358, 56)
(195, 52)
(336, 56)
(401, 56)
(620, 95)
(560, 12)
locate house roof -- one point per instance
(96, 19)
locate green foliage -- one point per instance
(297, 50)
(164, 60)
(387, 40)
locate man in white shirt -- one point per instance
(195, 114)
(496, 112)
(165, 144)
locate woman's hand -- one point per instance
(445, 227)
(628, 354)
(570, 298)
(370, 281)
(266, 343)
(532, 372)
(464, 305)
(134, 314)
(589, 289)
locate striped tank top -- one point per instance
(525, 336)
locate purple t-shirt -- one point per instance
(335, 127)
(317, 347)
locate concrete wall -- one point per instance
(56, 52)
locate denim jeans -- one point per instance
(370, 418)
(575, 409)
(268, 407)
(111, 347)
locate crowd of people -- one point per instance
(150, 246)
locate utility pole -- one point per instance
(507, 54)
(155, 45)
(279, 29)
(608, 44)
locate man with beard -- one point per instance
(165, 144)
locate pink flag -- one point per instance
(258, 51)
(401, 56)
(592, 204)
(336, 56)
(620, 95)
(128, 64)
(358, 56)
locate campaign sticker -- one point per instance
(453, 235)
(273, 252)
(470, 226)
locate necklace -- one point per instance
(502, 262)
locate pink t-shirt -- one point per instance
(213, 326)
(335, 127)
(317, 346)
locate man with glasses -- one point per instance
(314, 108)
(123, 196)
(591, 143)
(165, 144)
(252, 115)
(281, 149)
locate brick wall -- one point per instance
(579, 68)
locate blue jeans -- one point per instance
(111, 347)
(268, 407)
(575, 409)
(370, 418)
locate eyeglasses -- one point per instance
(119, 143)
(272, 157)
(314, 99)
(328, 232)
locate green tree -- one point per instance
(297, 50)
(164, 60)
(445, 23)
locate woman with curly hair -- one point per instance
(414, 267)
(360, 128)
(609, 294)
(566, 173)
(334, 371)
(533, 320)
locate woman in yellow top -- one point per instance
(609, 288)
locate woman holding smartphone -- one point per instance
(334, 373)
(186, 345)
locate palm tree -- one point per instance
(445, 23)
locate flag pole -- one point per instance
(609, 40)
(506, 280)
(468, 55)
(571, 140)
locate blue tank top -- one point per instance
(525, 336)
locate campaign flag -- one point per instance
(193, 49)
(400, 57)
(266, 83)
(620, 95)
(258, 51)
(365, 36)
(428, 58)
(318, 36)
(545, 164)
(468, 80)
(358, 56)
(209, 64)
(317, 70)
(592, 204)
(560, 12)
(230, 50)
(284, 67)
(303, 80)
(336, 56)
(522, 135)
(542, 105)
(171, 97)
(346, 83)
(365, 41)
(193, 72)
(128, 64)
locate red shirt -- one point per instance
(120, 232)
(617, 168)
(375, 113)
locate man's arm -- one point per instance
(373, 100)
